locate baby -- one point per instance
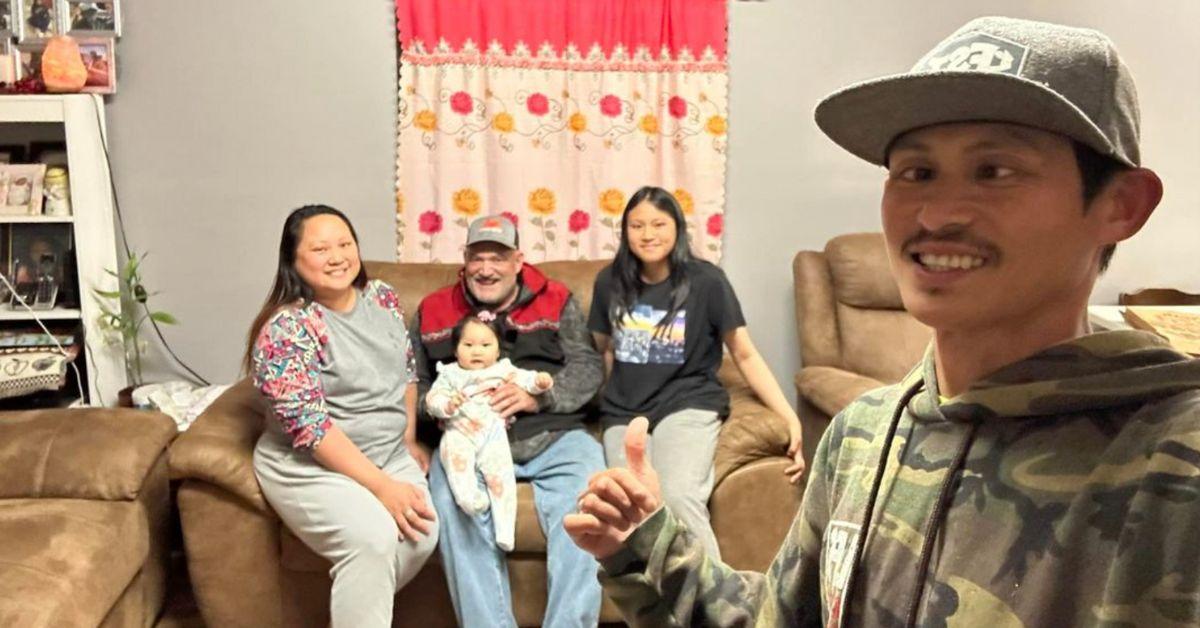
(475, 435)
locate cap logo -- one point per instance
(491, 225)
(976, 52)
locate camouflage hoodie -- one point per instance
(1062, 490)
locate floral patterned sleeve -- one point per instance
(287, 371)
(386, 297)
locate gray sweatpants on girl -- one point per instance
(681, 450)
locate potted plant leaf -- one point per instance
(123, 312)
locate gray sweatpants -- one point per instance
(342, 521)
(681, 449)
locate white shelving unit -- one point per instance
(83, 127)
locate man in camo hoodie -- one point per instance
(1027, 472)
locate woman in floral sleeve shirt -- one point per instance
(338, 460)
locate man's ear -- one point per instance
(519, 258)
(1127, 202)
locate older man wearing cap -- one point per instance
(1027, 472)
(542, 328)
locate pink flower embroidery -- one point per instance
(538, 104)
(677, 107)
(578, 221)
(610, 106)
(461, 102)
(513, 218)
(430, 222)
(716, 225)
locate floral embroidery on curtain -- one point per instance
(552, 112)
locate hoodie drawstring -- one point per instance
(848, 594)
(935, 519)
(935, 523)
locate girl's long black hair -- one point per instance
(626, 267)
(289, 287)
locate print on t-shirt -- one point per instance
(635, 341)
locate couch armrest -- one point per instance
(830, 389)
(751, 432)
(219, 447)
(90, 453)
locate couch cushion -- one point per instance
(65, 562)
(861, 274)
(83, 453)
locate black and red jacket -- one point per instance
(529, 337)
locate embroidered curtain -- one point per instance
(553, 112)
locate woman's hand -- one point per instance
(419, 453)
(408, 507)
(795, 451)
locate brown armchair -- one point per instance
(854, 333)
(248, 570)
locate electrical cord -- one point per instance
(112, 186)
(63, 352)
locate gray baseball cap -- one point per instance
(498, 229)
(1056, 78)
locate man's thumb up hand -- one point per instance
(635, 445)
(635, 459)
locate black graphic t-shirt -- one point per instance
(660, 371)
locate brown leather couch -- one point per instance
(248, 570)
(854, 332)
(84, 510)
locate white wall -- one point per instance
(231, 116)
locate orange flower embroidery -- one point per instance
(467, 202)
(612, 202)
(426, 120)
(503, 122)
(717, 125)
(649, 124)
(542, 202)
(686, 202)
(577, 122)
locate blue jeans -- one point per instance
(476, 571)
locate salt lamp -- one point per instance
(62, 67)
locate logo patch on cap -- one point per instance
(976, 52)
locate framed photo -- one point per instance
(12, 154)
(21, 189)
(34, 250)
(100, 60)
(49, 153)
(8, 23)
(28, 59)
(37, 20)
(83, 18)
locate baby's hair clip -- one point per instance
(485, 316)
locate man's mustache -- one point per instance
(952, 235)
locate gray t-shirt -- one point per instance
(364, 374)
